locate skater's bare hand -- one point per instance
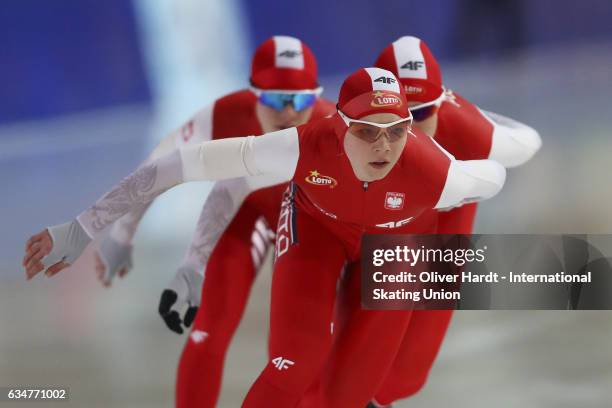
(37, 247)
(54, 248)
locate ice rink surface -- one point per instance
(112, 350)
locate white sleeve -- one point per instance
(273, 154)
(513, 143)
(227, 196)
(471, 180)
(198, 129)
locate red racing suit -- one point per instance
(360, 366)
(328, 210)
(230, 261)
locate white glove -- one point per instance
(69, 242)
(115, 257)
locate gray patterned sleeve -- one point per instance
(133, 193)
(220, 207)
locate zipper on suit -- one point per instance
(363, 214)
(365, 206)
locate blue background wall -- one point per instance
(72, 55)
(349, 34)
(66, 56)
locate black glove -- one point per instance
(172, 317)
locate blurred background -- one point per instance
(89, 87)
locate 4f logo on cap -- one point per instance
(318, 179)
(385, 80)
(290, 53)
(282, 363)
(413, 65)
(394, 201)
(385, 99)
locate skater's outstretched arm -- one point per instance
(113, 255)
(274, 154)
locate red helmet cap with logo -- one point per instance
(284, 63)
(412, 62)
(372, 90)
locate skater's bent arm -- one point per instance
(196, 130)
(470, 181)
(271, 154)
(514, 143)
(274, 154)
(221, 205)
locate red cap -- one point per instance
(284, 63)
(411, 60)
(372, 90)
